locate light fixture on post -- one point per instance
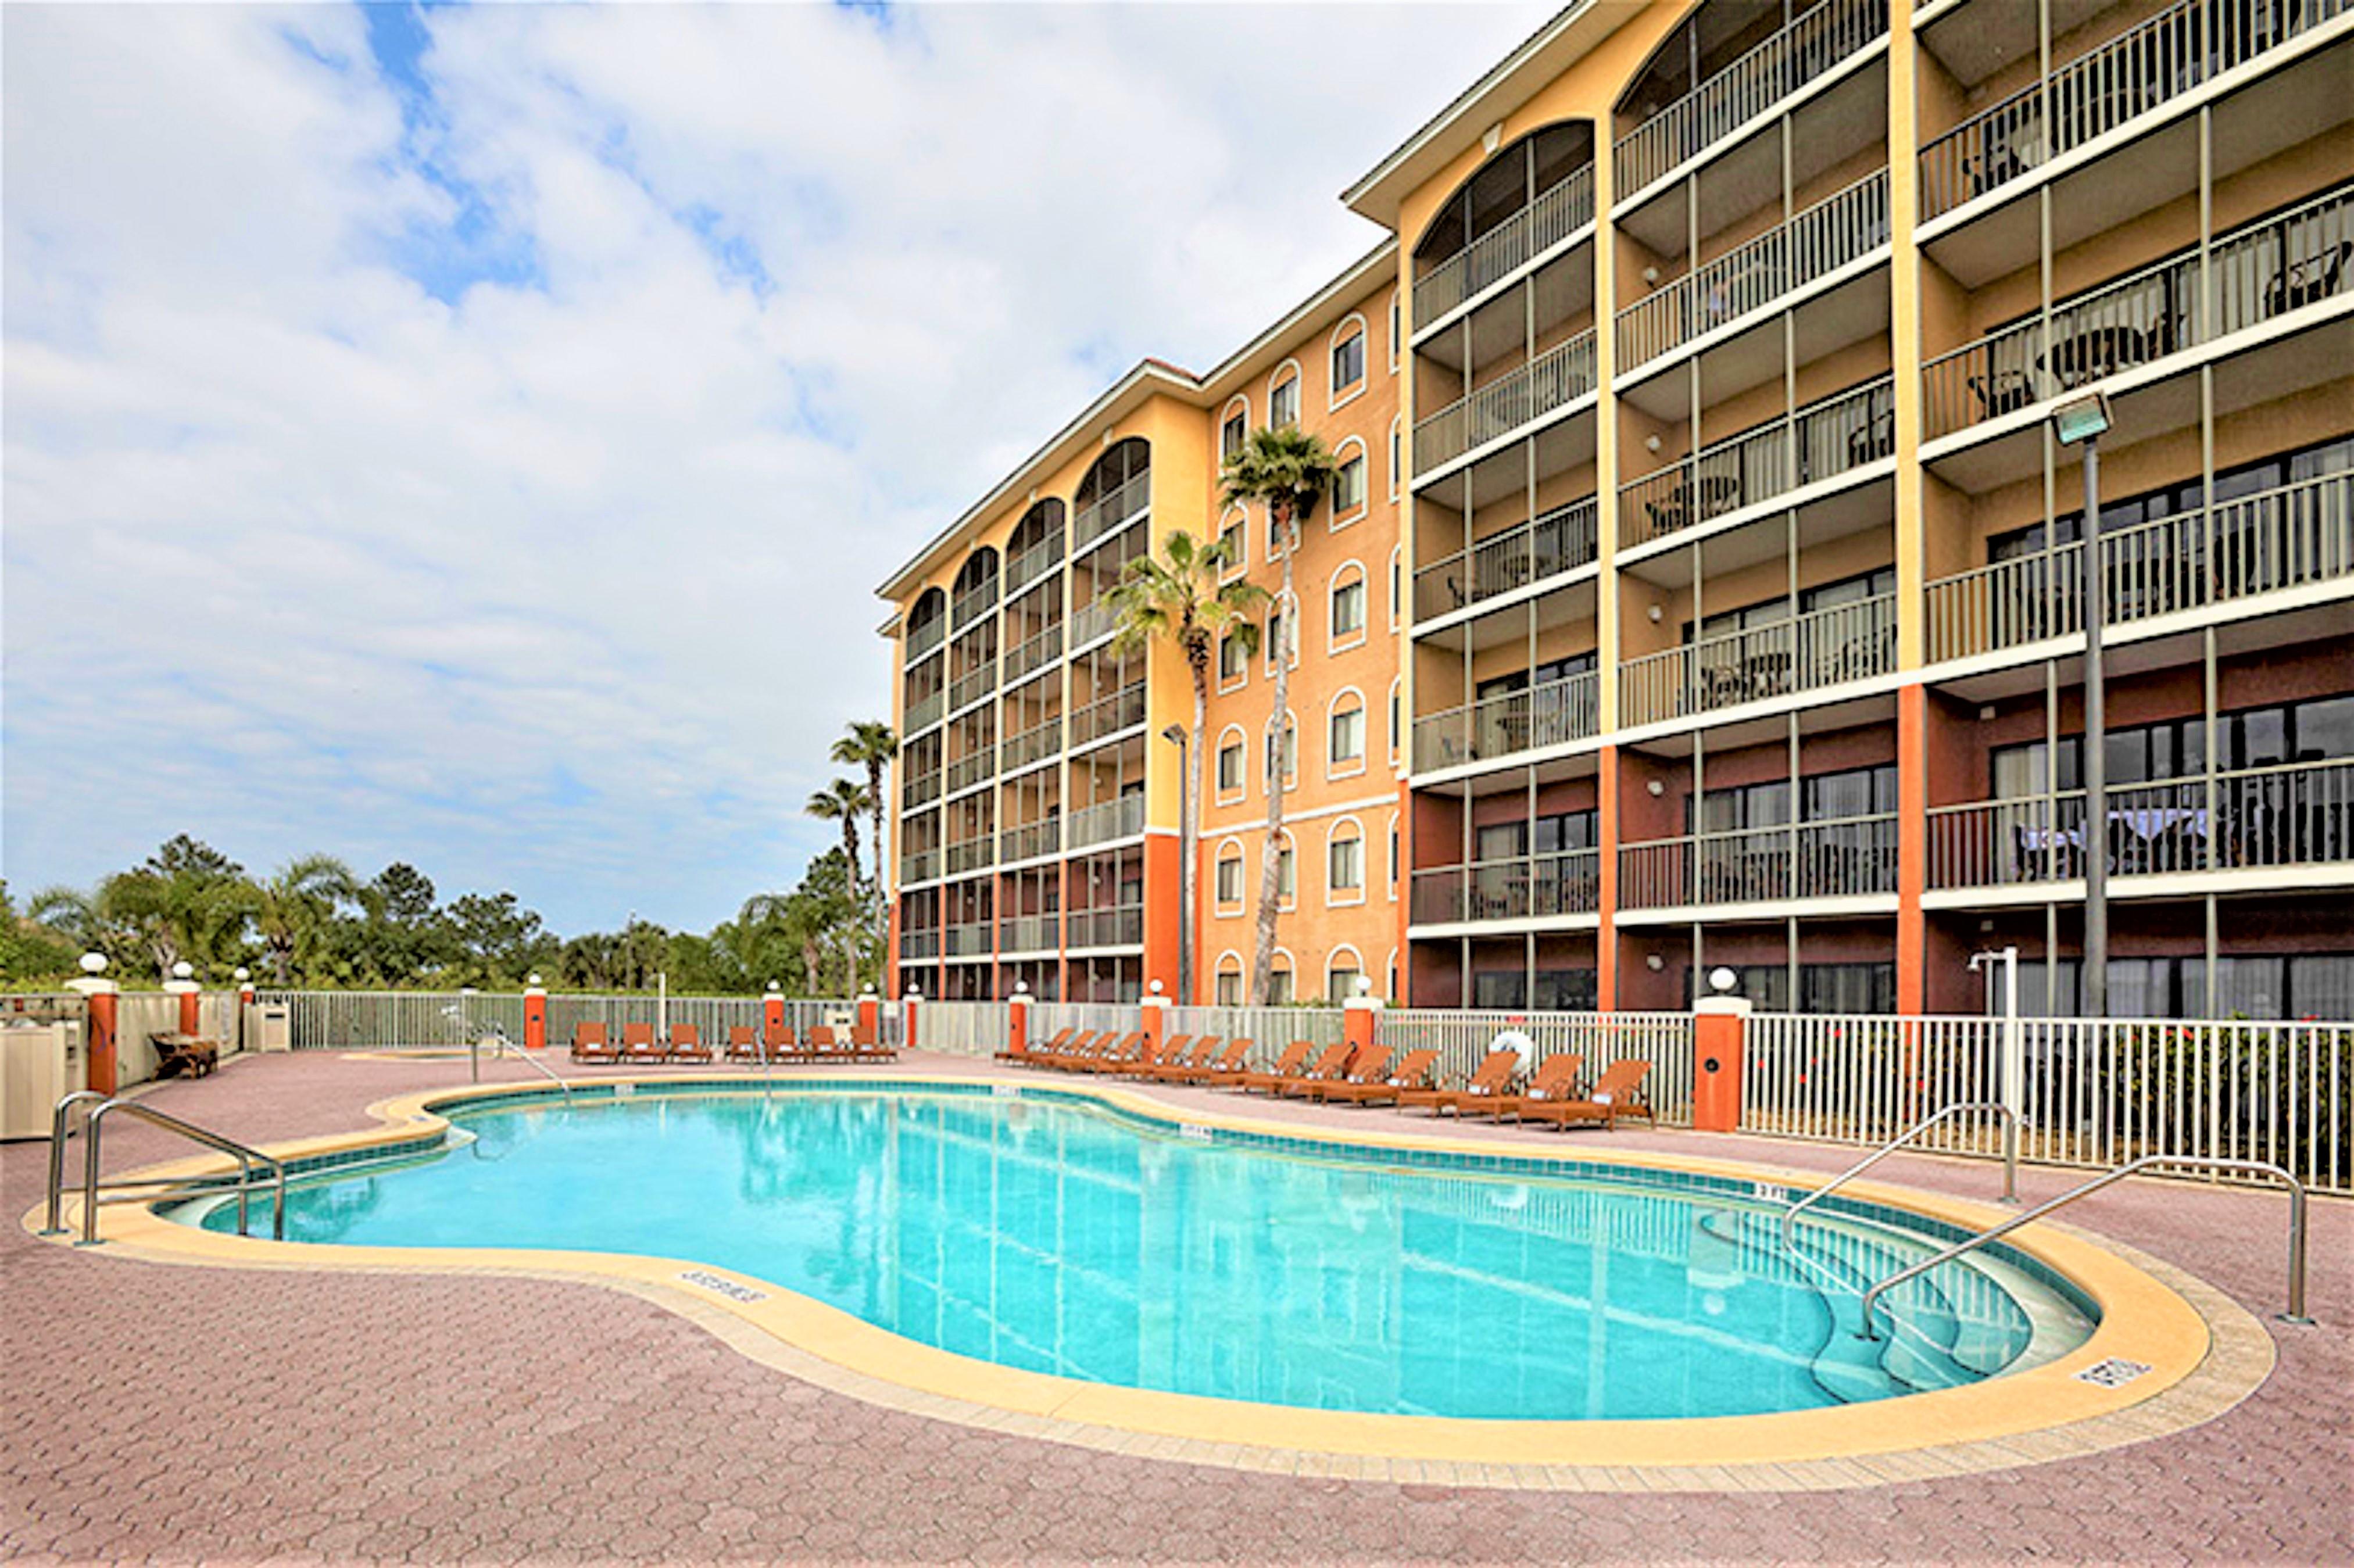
(1175, 734)
(2082, 421)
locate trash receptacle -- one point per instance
(271, 1027)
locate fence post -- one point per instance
(191, 995)
(870, 1017)
(534, 1014)
(772, 1013)
(1361, 1017)
(244, 1001)
(908, 1016)
(1155, 1021)
(1017, 1018)
(1719, 1029)
(99, 1005)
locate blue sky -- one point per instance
(472, 436)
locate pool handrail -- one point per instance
(247, 1160)
(59, 1129)
(2295, 1313)
(2009, 1164)
(501, 1043)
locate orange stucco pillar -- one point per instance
(1719, 1026)
(1017, 1018)
(1164, 881)
(907, 1017)
(870, 1015)
(1912, 848)
(1155, 1019)
(772, 1016)
(98, 998)
(1605, 934)
(192, 1001)
(535, 1016)
(1360, 1022)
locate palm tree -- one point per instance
(870, 743)
(1289, 472)
(292, 907)
(844, 802)
(1179, 598)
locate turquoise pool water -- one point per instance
(1063, 1239)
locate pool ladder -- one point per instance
(60, 1127)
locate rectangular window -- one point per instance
(1230, 880)
(1348, 363)
(1349, 736)
(1566, 991)
(1234, 660)
(1230, 768)
(1341, 984)
(1349, 608)
(1287, 875)
(1348, 486)
(1230, 987)
(1231, 435)
(1291, 752)
(1345, 865)
(1283, 404)
(1232, 544)
(1279, 988)
(1498, 991)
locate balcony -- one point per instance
(2298, 815)
(974, 602)
(1837, 230)
(1121, 928)
(1851, 858)
(1559, 541)
(921, 790)
(1554, 379)
(971, 687)
(2295, 537)
(1509, 723)
(927, 639)
(1033, 654)
(1823, 648)
(1030, 933)
(1030, 841)
(1121, 819)
(1529, 233)
(919, 865)
(973, 854)
(979, 768)
(969, 940)
(2164, 57)
(1034, 745)
(915, 945)
(1110, 514)
(1809, 47)
(1040, 560)
(1534, 887)
(1122, 710)
(1820, 441)
(925, 712)
(2256, 272)
(1095, 618)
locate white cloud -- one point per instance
(563, 583)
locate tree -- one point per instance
(495, 938)
(293, 910)
(187, 901)
(1289, 472)
(32, 951)
(1179, 598)
(843, 801)
(870, 743)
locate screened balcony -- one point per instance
(1846, 431)
(1103, 822)
(1560, 540)
(1854, 857)
(1522, 888)
(975, 853)
(1553, 380)
(1531, 719)
(1122, 710)
(1843, 643)
(1553, 218)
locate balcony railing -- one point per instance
(1035, 743)
(969, 940)
(1122, 710)
(2295, 814)
(978, 768)
(1121, 927)
(1852, 857)
(971, 687)
(925, 712)
(1033, 563)
(1030, 841)
(1108, 513)
(1101, 823)
(1808, 48)
(1816, 242)
(1559, 375)
(921, 790)
(2163, 58)
(1823, 648)
(1560, 540)
(2256, 272)
(928, 639)
(971, 854)
(1092, 619)
(974, 602)
(1844, 432)
(1552, 714)
(919, 865)
(1033, 653)
(2296, 535)
(1569, 882)
(1527, 234)
(1030, 933)
(915, 945)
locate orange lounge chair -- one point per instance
(743, 1043)
(1083, 1045)
(1617, 1093)
(1365, 1067)
(1173, 1069)
(826, 1043)
(781, 1045)
(1493, 1077)
(638, 1045)
(1229, 1065)
(1294, 1056)
(1108, 1048)
(1062, 1046)
(1412, 1072)
(686, 1043)
(1145, 1063)
(1554, 1079)
(1027, 1052)
(866, 1044)
(589, 1045)
(1332, 1063)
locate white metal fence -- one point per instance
(1461, 1039)
(961, 1028)
(1269, 1029)
(412, 1021)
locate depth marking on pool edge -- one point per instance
(2115, 1372)
(727, 1288)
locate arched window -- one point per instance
(1392, 879)
(1234, 427)
(1398, 584)
(1398, 328)
(1287, 871)
(1501, 189)
(1397, 455)
(1348, 484)
(1394, 999)
(1290, 760)
(1116, 490)
(1344, 733)
(1283, 395)
(1229, 991)
(924, 623)
(1282, 631)
(1343, 970)
(1279, 989)
(1345, 625)
(1229, 783)
(1227, 885)
(1397, 716)
(1344, 862)
(1234, 538)
(1346, 351)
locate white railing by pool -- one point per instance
(1557, 541)
(1269, 1029)
(1529, 233)
(1559, 376)
(1823, 648)
(1819, 442)
(1463, 1039)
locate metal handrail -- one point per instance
(499, 1042)
(2295, 1313)
(58, 1134)
(246, 1159)
(2010, 1167)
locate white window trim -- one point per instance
(1274, 379)
(1218, 794)
(1345, 898)
(1226, 413)
(1393, 998)
(1397, 455)
(1280, 961)
(1340, 396)
(1230, 682)
(1241, 971)
(1339, 519)
(1290, 610)
(1397, 584)
(1396, 319)
(1240, 565)
(1336, 767)
(1291, 902)
(1393, 854)
(1332, 586)
(1394, 720)
(1220, 908)
(1350, 948)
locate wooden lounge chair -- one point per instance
(1082, 1043)
(781, 1045)
(1145, 1063)
(177, 1054)
(1027, 1052)
(1223, 1065)
(1554, 1079)
(686, 1043)
(866, 1044)
(1108, 1048)
(1173, 1068)
(1617, 1093)
(743, 1043)
(638, 1045)
(1367, 1066)
(826, 1043)
(589, 1045)
(1295, 1056)
(1061, 1045)
(1332, 1063)
(1492, 1076)
(1412, 1072)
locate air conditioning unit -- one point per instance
(40, 1063)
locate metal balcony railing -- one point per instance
(2161, 60)
(925, 712)
(921, 790)
(1823, 648)
(969, 940)
(924, 944)
(1559, 541)
(979, 768)
(971, 687)
(1036, 561)
(1033, 653)
(1552, 714)
(927, 639)
(919, 865)
(1092, 619)
(1121, 928)
(1843, 859)
(1844, 432)
(1529, 233)
(974, 603)
(1819, 241)
(1030, 933)
(2299, 813)
(1530, 888)
(1030, 840)
(1101, 823)
(2290, 537)
(1033, 745)
(1110, 513)
(2255, 272)
(1559, 375)
(973, 854)
(1808, 48)
(1124, 709)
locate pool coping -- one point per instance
(2203, 1352)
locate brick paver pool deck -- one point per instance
(184, 1414)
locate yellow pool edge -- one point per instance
(2202, 1351)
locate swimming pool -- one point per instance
(1052, 1233)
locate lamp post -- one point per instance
(1175, 736)
(2084, 420)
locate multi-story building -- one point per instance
(1729, 612)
